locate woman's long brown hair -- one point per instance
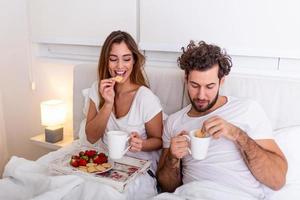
(136, 75)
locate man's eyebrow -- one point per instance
(210, 84)
(193, 82)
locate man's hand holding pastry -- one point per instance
(217, 127)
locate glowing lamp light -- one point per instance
(53, 116)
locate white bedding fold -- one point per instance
(24, 179)
(204, 190)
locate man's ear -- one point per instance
(222, 80)
(186, 78)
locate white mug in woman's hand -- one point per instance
(116, 141)
(198, 145)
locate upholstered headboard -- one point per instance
(279, 97)
(83, 77)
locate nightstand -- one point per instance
(40, 140)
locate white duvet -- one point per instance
(207, 190)
(24, 179)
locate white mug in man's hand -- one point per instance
(198, 145)
(116, 141)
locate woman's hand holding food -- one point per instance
(107, 91)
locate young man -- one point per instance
(242, 155)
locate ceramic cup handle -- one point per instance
(127, 149)
(189, 140)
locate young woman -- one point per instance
(124, 103)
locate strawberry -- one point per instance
(100, 159)
(82, 162)
(97, 160)
(85, 158)
(75, 157)
(104, 160)
(74, 163)
(102, 155)
(90, 153)
(81, 153)
(88, 156)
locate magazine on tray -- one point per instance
(118, 173)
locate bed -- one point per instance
(278, 96)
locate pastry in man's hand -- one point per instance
(199, 134)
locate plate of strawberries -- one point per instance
(91, 161)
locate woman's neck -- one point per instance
(125, 87)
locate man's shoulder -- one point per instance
(241, 101)
(244, 105)
(179, 113)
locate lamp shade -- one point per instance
(53, 112)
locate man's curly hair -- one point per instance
(204, 56)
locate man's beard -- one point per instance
(206, 108)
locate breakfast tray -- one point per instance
(123, 170)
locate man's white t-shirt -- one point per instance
(144, 107)
(224, 164)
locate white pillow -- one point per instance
(85, 94)
(82, 135)
(288, 140)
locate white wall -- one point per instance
(20, 104)
(245, 28)
(80, 22)
(3, 140)
(261, 37)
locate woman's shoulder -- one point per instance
(93, 92)
(145, 94)
(146, 103)
(95, 85)
(145, 91)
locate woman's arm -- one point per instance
(96, 122)
(154, 132)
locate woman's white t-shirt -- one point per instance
(144, 107)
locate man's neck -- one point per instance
(222, 100)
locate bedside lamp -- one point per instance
(53, 114)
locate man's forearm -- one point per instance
(268, 167)
(169, 176)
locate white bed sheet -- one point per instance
(24, 179)
(207, 190)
